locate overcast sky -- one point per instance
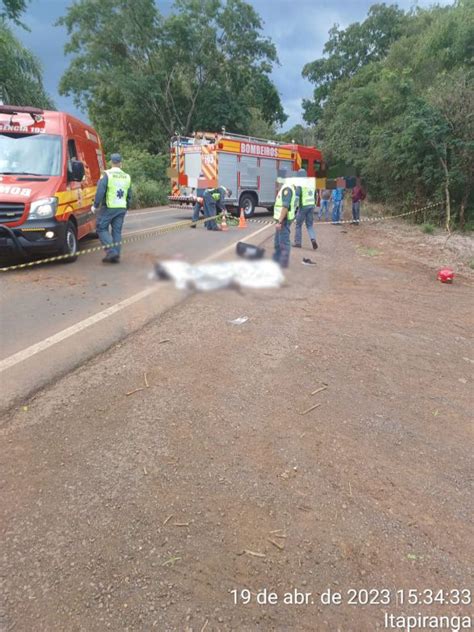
(299, 29)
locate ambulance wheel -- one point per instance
(248, 202)
(70, 246)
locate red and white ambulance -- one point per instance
(248, 166)
(50, 163)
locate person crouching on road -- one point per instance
(112, 199)
(305, 214)
(213, 203)
(284, 211)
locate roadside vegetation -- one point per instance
(393, 94)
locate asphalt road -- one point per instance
(55, 316)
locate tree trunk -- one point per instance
(448, 204)
(444, 164)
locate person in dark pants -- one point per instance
(198, 203)
(305, 213)
(358, 195)
(214, 203)
(112, 199)
(284, 211)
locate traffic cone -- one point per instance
(242, 220)
(224, 222)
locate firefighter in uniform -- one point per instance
(214, 202)
(284, 211)
(305, 214)
(114, 188)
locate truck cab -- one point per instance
(50, 163)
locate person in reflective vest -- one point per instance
(112, 199)
(305, 214)
(213, 204)
(284, 212)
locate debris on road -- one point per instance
(279, 546)
(308, 410)
(136, 390)
(239, 321)
(318, 390)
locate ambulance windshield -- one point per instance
(26, 154)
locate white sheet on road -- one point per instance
(216, 276)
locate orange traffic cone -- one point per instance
(224, 222)
(242, 220)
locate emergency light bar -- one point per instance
(35, 113)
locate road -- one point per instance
(324, 444)
(93, 304)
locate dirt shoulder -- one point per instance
(145, 511)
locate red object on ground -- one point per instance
(446, 275)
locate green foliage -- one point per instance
(150, 186)
(149, 193)
(20, 73)
(301, 135)
(402, 115)
(428, 229)
(142, 76)
(349, 50)
(12, 9)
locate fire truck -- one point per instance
(250, 167)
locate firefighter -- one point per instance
(284, 211)
(305, 214)
(114, 188)
(214, 202)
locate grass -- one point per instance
(471, 264)
(428, 228)
(368, 252)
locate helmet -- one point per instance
(446, 275)
(301, 173)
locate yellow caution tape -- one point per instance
(160, 230)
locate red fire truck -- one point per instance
(50, 163)
(248, 166)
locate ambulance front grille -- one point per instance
(11, 212)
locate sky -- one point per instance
(298, 28)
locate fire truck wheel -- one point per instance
(248, 202)
(69, 246)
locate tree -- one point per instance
(405, 121)
(12, 9)
(347, 51)
(20, 73)
(142, 77)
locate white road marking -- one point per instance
(70, 331)
(27, 353)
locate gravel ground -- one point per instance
(145, 511)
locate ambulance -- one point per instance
(50, 163)
(250, 167)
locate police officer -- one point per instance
(305, 212)
(284, 211)
(214, 202)
(113, 200)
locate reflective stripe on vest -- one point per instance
(117, 188)
(279, 203)
(215, 194)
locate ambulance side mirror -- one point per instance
(76, 171)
